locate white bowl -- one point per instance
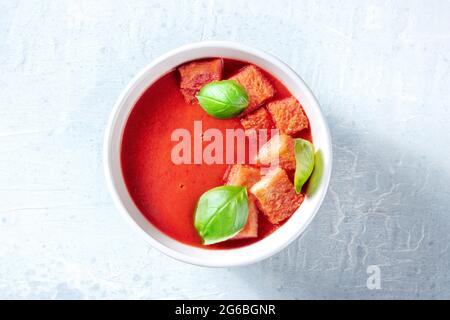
(215, 258)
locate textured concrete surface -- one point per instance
(380, 70)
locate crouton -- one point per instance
(257, 120)
(276, 197)
(246, 176)
(258, 87)
(196, 74)
(288, 115)
(278, 151)
(251, 228)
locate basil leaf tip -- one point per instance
(304, 158)
(223, 99)
(221, 213)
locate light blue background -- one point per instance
(380, 70)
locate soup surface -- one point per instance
(167, 193)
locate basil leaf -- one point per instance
(221, 213)
(304, 158)
(223, 99)
(316, 176)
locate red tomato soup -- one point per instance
(166, 193)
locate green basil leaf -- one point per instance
(223, 99)
(221, 213)
(316, 176)
(304, 158)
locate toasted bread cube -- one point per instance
(257, 120)
(278, 151)
(288, 115)
(245, 176)
(196, 74)
(251, 228)
(276, 197)
(242, 175)
(258, 87)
